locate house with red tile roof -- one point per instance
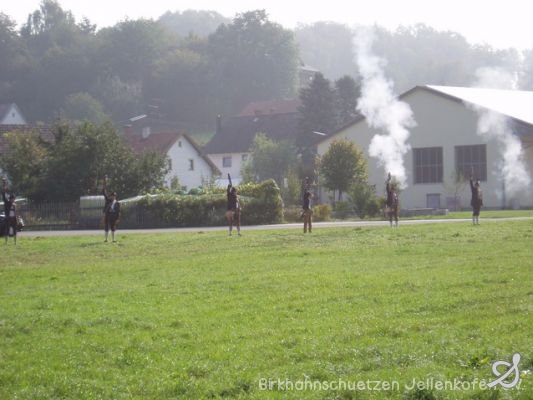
(186, 160)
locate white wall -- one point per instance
(180, 157)
(236, 164)
(13, 117)
(441, 122)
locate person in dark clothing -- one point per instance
(307, 211)
(477, 200)
(111, 212)
(233, 214)
(392, 202)
(10, 210)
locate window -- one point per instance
(433, 200)
(226, 162)
(244, 157)
(428, 165)
(191, 164)
(179, 143)
(471, 160)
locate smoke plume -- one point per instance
(492, 125)
(382, 109)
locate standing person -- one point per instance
(233, 214)
(307, 211)
(10, 210)
(111, 212)
(477, 200)
(392, 202)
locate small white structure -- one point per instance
(445, 142)
(10, 114)
(185, 158)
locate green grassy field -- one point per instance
(202, 315)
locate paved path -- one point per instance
(316, 225)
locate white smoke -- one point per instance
(382, 109)
(492, 125)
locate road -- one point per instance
(316, 225)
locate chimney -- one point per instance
(127, 129)
(219, 123)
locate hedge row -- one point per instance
(261, 204)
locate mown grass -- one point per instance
(201, 315)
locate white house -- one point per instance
(186, 160)
(10, 114)
(445, 142)
(230, 147)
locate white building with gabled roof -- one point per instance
(445, 142)
(10, 114)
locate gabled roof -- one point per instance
(270, 107)
(159, 142)
(4, 109)
(45, 132)
(162, 143)
(237, 134)
(515, 104)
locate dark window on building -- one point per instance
(471, 160)
(191, 164)
(428, 165)
(226, 162)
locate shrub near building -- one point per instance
(261, 204)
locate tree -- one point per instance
(270, 160)
(62, 60)
(121, 100)
(251, 59)
(130, 48)
(25, 163)
(178, 81)
(363, 199)
(197, 22)
(316, 114)
(14, 61)
(347, 92)
(82, 106)
(327, 46)
(76, 162)
(342, 166)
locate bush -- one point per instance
(322, 212)
(261, 204)
(292, 214)
(342, 210)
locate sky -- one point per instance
(501, 24)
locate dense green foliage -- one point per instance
(75, 162)
(261, 204)
(201, 315)
(343, 166)
(196, 64)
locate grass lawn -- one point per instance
(484, 214)
(202, 315)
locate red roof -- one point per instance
(162, 142)
(159, 142)
(270, 107)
